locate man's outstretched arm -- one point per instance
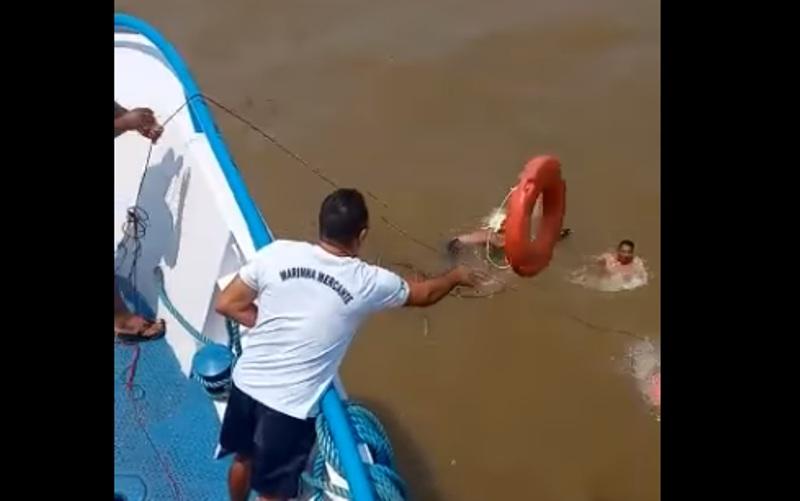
(430, 291)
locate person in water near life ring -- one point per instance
(479, 237)
(493, 233)
(622, 263)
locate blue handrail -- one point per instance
(332, 407)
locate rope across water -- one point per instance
(493, 228)
(138, 218)
(387, 482)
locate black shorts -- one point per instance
(278, 445)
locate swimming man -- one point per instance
(622, 263)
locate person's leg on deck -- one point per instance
(128, 324)
(271, 449)
(239, 478)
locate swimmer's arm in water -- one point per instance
(477, 237)
(480, 237)
(237, 303)
(604, 264)
(603, 259)
(427, 292)
(601, 262)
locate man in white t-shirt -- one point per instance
(311, 300)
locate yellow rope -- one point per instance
(491, 231)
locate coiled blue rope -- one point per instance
(234, 337)
(383, 473)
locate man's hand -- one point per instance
(430, 291)
(468, 277)
(139, 119)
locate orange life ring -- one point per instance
(540, 176)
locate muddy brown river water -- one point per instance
(434, 106)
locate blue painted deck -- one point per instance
(165, 430)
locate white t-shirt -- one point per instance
(310, 304)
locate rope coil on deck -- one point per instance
(368, 430)
(218, 385)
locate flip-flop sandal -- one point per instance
(139, 336)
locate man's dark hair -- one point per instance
(626, 242)
(342, 216)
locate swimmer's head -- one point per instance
(625, 252)
(344, 220)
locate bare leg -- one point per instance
(127, 322)
(239, 478)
